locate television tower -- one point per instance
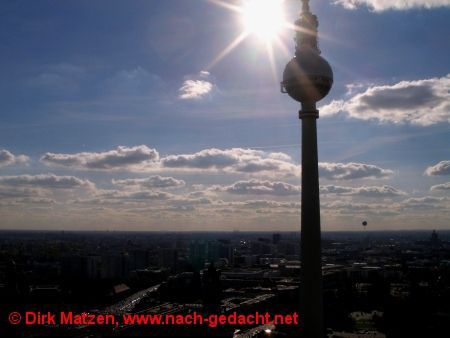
(307, 79)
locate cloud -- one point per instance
(20, 192)
(7, 158)
(196, 88)
(150, 200)
(26, 201)
(354, 207)
(348, 171)
(150, 182)
(424, 203)
(235, 160)
(123, 158)
(366, 191)
(48, 181)
(256, 187)
(442, 168)
(382, 5)
(441, 187)
(258, 204)
(280, 156)
(134, 195)
(425, 199)
(332, 108)
(187, 201)
(419, 206)
(202, 194)
(421, 102)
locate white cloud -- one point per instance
(382, 5)
(366, 191)
(425, 199)
(7, 158)
(421, 102)
(280, 156)
(257, 187)
(136, 158)
(332, 108)
(441, 187)
(348, 171)
(196, 87)
(47, 181)
(442, 168)
(235, 160)
(150, 182)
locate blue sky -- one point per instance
(113, 115)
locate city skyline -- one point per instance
(126, 117)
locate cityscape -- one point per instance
(376, 284)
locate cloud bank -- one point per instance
(349, 171)
(235, 160)
(441, 187)
(122, 158)
(150, 182)
(420, 102)
(49, 181)
(257, 187)
(232, 161)
(366, 191)
(383, 5)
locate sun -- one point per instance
(263, 18)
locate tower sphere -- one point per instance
(307, 77)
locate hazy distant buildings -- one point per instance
(197, 254)
(168, 257)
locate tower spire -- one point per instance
(305, 6)
(306, 27)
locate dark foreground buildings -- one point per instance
(376, 284)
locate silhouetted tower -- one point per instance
(308, 78)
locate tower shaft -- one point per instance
(311, 275)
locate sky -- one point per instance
(162, 115)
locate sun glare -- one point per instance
(263, 18)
